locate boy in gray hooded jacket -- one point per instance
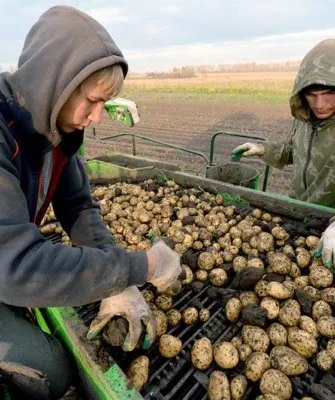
(68, 68)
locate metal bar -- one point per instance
(172, 146)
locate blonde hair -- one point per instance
(111, 77)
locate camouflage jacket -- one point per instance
(310, 146)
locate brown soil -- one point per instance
(191, 124)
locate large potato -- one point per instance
(302, 342)
(169, 346)
(218, 386)
(256, 365)
(324, 361)
(320, 277)
(321, 309)
(233, 309)
(289, 314)
(275, 382)
(238, 387)
(138, 372)
(202, 353)
(225, 355)
(255, 337)
(326, 326)
(288, 361)
(161, 322)
(277, 334)
(328, 295)
(265, 242)
(248, 297)
(279, 290)
(307, 324)
(280, 264)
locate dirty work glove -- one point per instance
(247, 150)
(130, 305)
(168, 266)
(326, 247)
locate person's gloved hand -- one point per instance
(247, 150)
(326, 247)
(168, 266)
(130, 305)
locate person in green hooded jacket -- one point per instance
(310, 146)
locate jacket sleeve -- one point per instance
(279, 154)
(37, 273)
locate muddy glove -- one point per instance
(130, 305)
(326, 247)
(247, 150)
(168, 266)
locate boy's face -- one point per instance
(85, 105)
(321, 102)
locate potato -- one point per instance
(331, 348)
(326, 326)
(204, 315)
(271, 305)
(202, 353)
(301, 281)
(328, 295)
(303, 257)
(277, 334)
(280, 290)
(312, 242)
(280, 264)
(173, 316)
(288, 361)
(295, 271)
(233, 309)
(138, 372)
(324, 361)
(302, 342)
(248, 297)
(255, 337)
(261, 288)
(265, 242)
(320, 277)
(148, 295)
(268, 396)
(161, 322)
(218, 386)
(218, 276)
(188, 275)
(190, 315)
(238, 387)
(244, 352)
(321, 309)
(255, 262)
(239, 263)
(225, 355)
(169, 346)
(307, 324)
(164, 302)
(289, 314)
(275, 382)
(256, 365)
(279, 233)
(201, 275)
(205, 261)
(313, 292)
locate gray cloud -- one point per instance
(159, 34)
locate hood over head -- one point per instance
(316, 68)
(61, 50)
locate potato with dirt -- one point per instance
(326, 326)
(275, 382)
(218, 386)
(169, 346)
(225, 355)
(324, 361)
(255, 337)
(173, 316)
(233, 309)
(280, 291)
(289, 314)
(138, 372)
(238, 387)
(190, 315)
(256, 365)
(271, 305)
(320, 277)
(280, 264)
(277, 334)
(288, 361)
(161, 322)
(302, 342)
(202, 353)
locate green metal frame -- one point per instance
(148, 139)
(238, 134)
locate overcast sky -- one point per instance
(156, 35)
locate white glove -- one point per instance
(248, 149)
(168, 266)
(131, 305)
(326, 247)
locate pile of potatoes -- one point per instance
(291, 291)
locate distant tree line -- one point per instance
(190, 71)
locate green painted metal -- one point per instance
(109, 385)
(148, 139)
(238, 134)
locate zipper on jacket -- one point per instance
(309, 152)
